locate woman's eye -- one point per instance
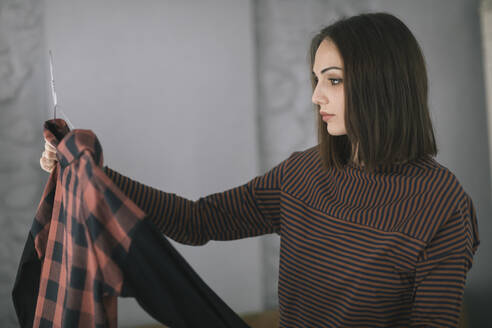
(335, 81)
(332, 80)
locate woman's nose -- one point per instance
(318, 98)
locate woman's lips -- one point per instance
(328, 117)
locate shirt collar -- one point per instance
(71, 144)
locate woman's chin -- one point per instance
(333, 131)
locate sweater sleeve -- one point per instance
(442, 269)
(248, 210)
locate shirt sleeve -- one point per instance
(248, 210)
(442, 268)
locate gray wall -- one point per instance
(21, 104)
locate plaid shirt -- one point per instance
(81, 233)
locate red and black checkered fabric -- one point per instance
(81, 231)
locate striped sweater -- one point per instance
(387, 249)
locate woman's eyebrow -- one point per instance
(328, 68)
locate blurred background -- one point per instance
(195, 97)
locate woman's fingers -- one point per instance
(49, 155)
(46, 164)
(48, 158)
(49, 146)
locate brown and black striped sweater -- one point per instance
(387, 249)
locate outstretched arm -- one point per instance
(248, 210)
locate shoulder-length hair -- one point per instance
(385, 83)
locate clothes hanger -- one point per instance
(55, 99)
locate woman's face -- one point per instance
(329, 92)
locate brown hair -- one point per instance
(385, 85)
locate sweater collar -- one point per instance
(424, 162)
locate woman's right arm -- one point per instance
(248, 210)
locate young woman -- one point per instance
(374, 231)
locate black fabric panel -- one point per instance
(26, 285)
(166, 286)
